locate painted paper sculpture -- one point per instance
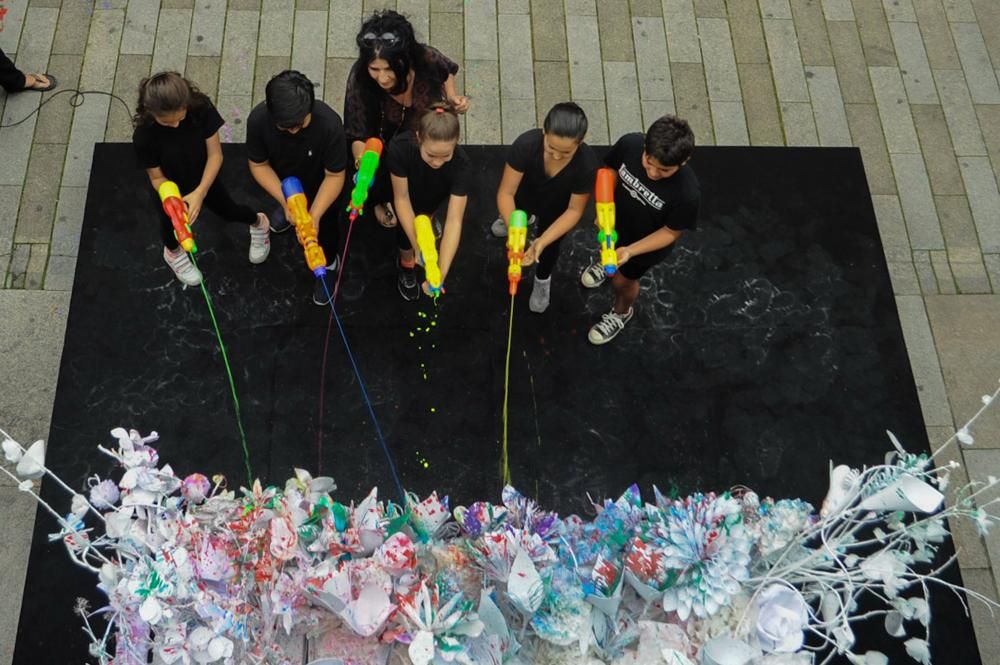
(192, 572)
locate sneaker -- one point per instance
(499, 227)
(320, 292)
(260, 239)
(181, 264)
(406, 281)
(277, 220)
(593, 276)
(540, 291)
(608, 327)
(438, 228)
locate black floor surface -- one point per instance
(767, 344)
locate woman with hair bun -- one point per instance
(393, 82)
(428, 168)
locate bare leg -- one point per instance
(626, 292)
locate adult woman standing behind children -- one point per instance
(176, 138)
(549, 174)
(393, 82)
(428, 168)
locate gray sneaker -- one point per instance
(181, 264)
(499, 227)
(593, 276)
(541, 289)
(260, 239)
(609, 326)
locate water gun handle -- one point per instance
(173, 206)
(298, 207)
(365, 177)
(517, 236)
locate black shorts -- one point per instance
(637, 267)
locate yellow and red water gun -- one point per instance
(604, 201)
(174, 206)
(517, 236)
(365, 177)
(298, 206)
(428, 252)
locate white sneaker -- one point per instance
(540, 291)
(181, 264)
(593, 276)
(260, 239)
(499, 227)
(609, 326)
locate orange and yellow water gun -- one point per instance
(295, 199)
(174, 206)
(604, 201)
(517, 236)
(428, 252)
(365, 177)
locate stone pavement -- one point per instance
(912, 83)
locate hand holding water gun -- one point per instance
(174, 206)
(428, 251)
(365, 177)
(604, 201)
(298, 208)
(517, 235)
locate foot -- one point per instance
(385, 215)
(260, 239)
(593, 276)
(499, 227)
(540, 291)
(39, 82)
(325, 285)
(608, 327)
(438, 227)
(407, 284)
(180, 263)
(277, 220)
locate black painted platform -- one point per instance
(767, 344)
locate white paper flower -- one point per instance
(104, 494)
(782, 614)
(12, 451)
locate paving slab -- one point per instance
(891, 228)
(129, 73)
(786, 63)
(624, 110)
(337, 70)
(55, 117)
(983, 581)
(761, 104)
(203, 71)
(924, 360)
(866, 131)
(874, 32)
(418, 13)
(172, 30)
(691, 99)
(992, 262)
(810, 27)
(799, 123)
(481, 30)
(34, 221)
(653, 110)
(141, 18)
(34, 274)
(72, 28)
(651, 59)
(828, 105)
(720, 60)
(904, 278)
(913, 63)
(988, 15)
(597, 121)
(234, 109)
(309, 46)
(935, 143)
(517, 79)
(942, 272)
(68, 221)
(278, 16)
(729, 122)
(482, 84)
(838, 10)
(970, 276)
(959, 230)
(10, 200)
(207, 27)
(899, 10)
(647, 8)
(747, 31)
(775, 8)
(917, 201)
(615, 26)
(343, 31)
(981, 186)
(710, 8)
(925, 272)
(585, 68)
(682, 31)
(936, 31)
(548, 29)
(516, 117)
(979, 71)
(239, 51)
(890, 96)
(551, 87)
(852, 70)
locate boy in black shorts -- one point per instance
(655, 201)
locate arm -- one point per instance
(195, 198)
(269, 182)
(357, 149)
(156, 177)
(452, 232)
(654, 241)
(328, 192)
(460, 102)
(563, 225)
(508, 188)
(404, 209)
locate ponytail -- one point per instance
(439, 123)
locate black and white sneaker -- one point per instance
(407, 283)
(324, 286)
(608, 327)
(593, 276)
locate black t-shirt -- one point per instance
(180, 152)
(539, 194)
(643, 206)
(428, 187)
(304, 154)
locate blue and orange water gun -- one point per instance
(604, 201)
(173, 205)
(295, 199)
(428, 251)
(365, 177)
(517, 237)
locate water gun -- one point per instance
(174, 206)
(365, 177)
(604, 201)
(425, 241)
(295, 199)
(517, 236)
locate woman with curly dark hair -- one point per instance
(393, 82)
(176, 138)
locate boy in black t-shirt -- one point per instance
(656, 200)
(293, 134)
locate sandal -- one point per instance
(388, 217)
(37, 80)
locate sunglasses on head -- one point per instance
(385, 39)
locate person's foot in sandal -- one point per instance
(385, 215)
(39, 82)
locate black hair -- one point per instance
(670, 141)
(290, 97)
(402, 52)
(566, 119)
(163, 93)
